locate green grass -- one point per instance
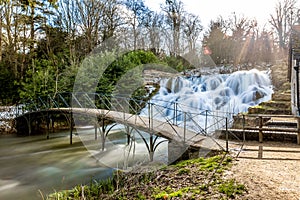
(133, 184)
(91, 191)
(183, 171)
(231, 188)
(206, 164)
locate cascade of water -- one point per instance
(229, 93)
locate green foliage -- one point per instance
(185, 163)
(177, 63)
(129, 185)
(210, 165)
(106, 73)
(183, 171)
(168, 195)
(206, 164)
(231, 188)
(140, 196)
(91, 191)
(39, 79)
(126, 71)
(67, 78)
(8, 91)
(91, 70)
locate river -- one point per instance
(31, 166)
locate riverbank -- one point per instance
(261, 171)
(201, 178)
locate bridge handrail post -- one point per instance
(184, 127)
(174, 113)
(244, 123)
(226, 125)
(298, 130)
(17, 110)
(149, 120)
(206, 113)
(151, 116)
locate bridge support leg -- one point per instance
(52, 124)
(176, 151)
(151, 150)
(71, 128)
(128, 130)
(29, 125)
(103, 133)
(95, 127)
(48, 126)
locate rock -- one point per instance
(258, 96)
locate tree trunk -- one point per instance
(1, 18)
(32, 28)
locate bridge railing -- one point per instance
(203, 122)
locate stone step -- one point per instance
(253, 135)
(284, 96)
(269, 110)
(281, 124)
(277, 104)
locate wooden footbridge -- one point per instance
(183, 129)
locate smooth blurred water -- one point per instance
(32, 164)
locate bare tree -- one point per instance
(112, 19)
(88, 19)
(285, 16)
(153, 23)
(240, 26)
(67, 12)
(192, 29)
(265, 46)
(1, 25)
(174, 10)
(10, 33)
(138, 9)
(215, 40)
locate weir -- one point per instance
(185, 111)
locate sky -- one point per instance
(211, 9)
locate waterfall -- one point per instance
(213, 96)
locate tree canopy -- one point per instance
(44, 43)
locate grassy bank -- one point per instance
(201, 178)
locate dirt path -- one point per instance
(269, 170)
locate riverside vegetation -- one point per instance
(201, 178)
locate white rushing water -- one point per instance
(208, 98)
